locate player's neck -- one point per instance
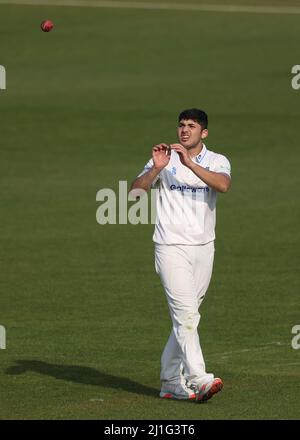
(194, 151)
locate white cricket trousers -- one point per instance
(185, 272)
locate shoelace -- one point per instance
(192, 386)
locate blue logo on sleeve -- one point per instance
(173, 171)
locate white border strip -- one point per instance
(160, 6)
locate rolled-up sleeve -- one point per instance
(222, 165)
(148, 167)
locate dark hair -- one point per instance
(196, 115)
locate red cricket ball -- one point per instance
(47, 25)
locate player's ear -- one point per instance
(204, 133)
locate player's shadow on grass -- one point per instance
(79, 374)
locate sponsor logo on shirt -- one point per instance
(173, 171)
(192, 189)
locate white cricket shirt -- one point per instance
(185, 205)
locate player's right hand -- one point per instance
(161, 154)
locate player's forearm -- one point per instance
(145, 181)
(217, 181)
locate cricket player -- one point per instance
(188, 177)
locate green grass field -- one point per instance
(85, 314)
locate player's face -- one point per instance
(190, 133)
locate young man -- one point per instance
(188, 177)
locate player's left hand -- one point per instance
(183, 154)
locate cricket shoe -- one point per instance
(206, 391)
(177, 391)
